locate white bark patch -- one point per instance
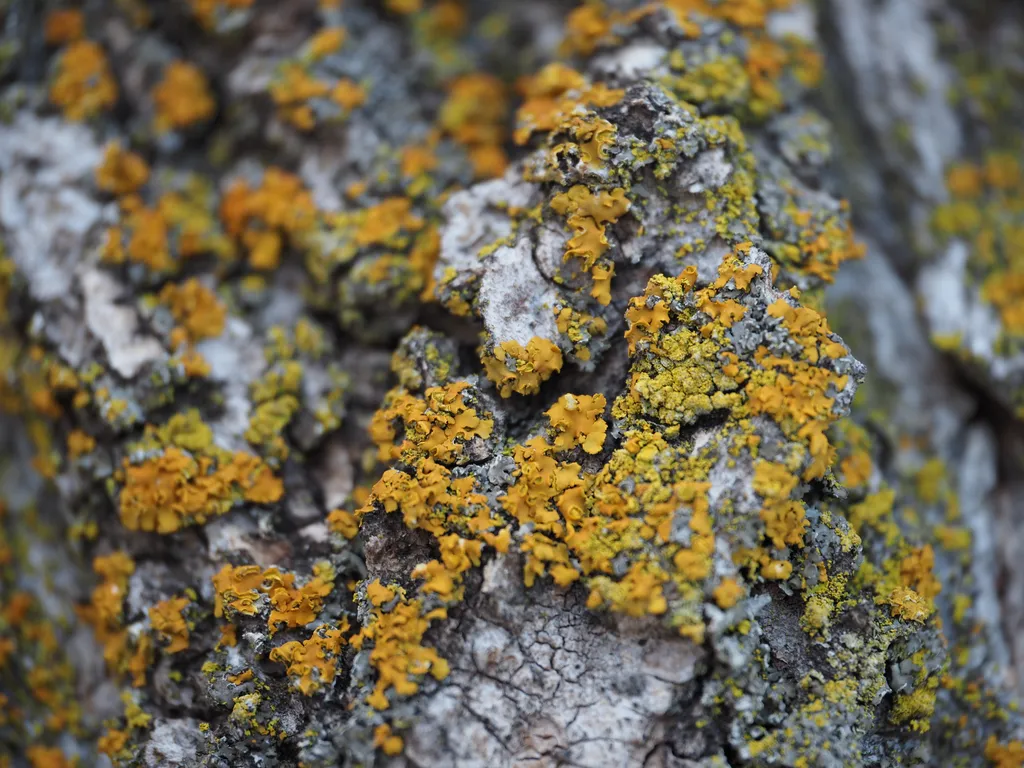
(116, 326)
(516, 302)
(46, 206)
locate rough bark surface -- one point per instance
(444, 383)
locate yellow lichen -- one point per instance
(909, 605)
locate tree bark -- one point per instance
(460, 384)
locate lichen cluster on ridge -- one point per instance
(409, 396)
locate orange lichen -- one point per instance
(242, 677)
(122, 171)
(765, 59)
(325, 42)
(964, 180)
(638, 593)
(379, 594)
(1008, 755)
(444, 577)
(784, 518)
(348, 94)
(398, 655)
(172, 490)
(386, 741)
(984, 211)
(586, 138)
(427, 498)
(799, 393)
(83, 86)
(140, 661)
(209, 12)
(228, 636)
(581, 523)
(551, 96)
(728, 593)
(105, 611)
(381, 224)
(196, 308)
(64, 25)
(112, 742)
(822, 246)
(916, 572)
(47, 757)
(438, 425)
(292, 90)
(182, 97)
(169, 622)
(474, 114)
(777, 570)
(147, 243)
(908, 605)
(80, 443)
(237, 588)
(856, 469)
(587, 215)
(263, 218)
(576, 420)
(313, 663)
(343, 522)
(302, 97)
(586, 26)
(415, 163)
(297, 606)
(647, 314)
(540, 481)
(1006, 293)
(580, 328)
(515, 368)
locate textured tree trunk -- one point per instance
(459, 384)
